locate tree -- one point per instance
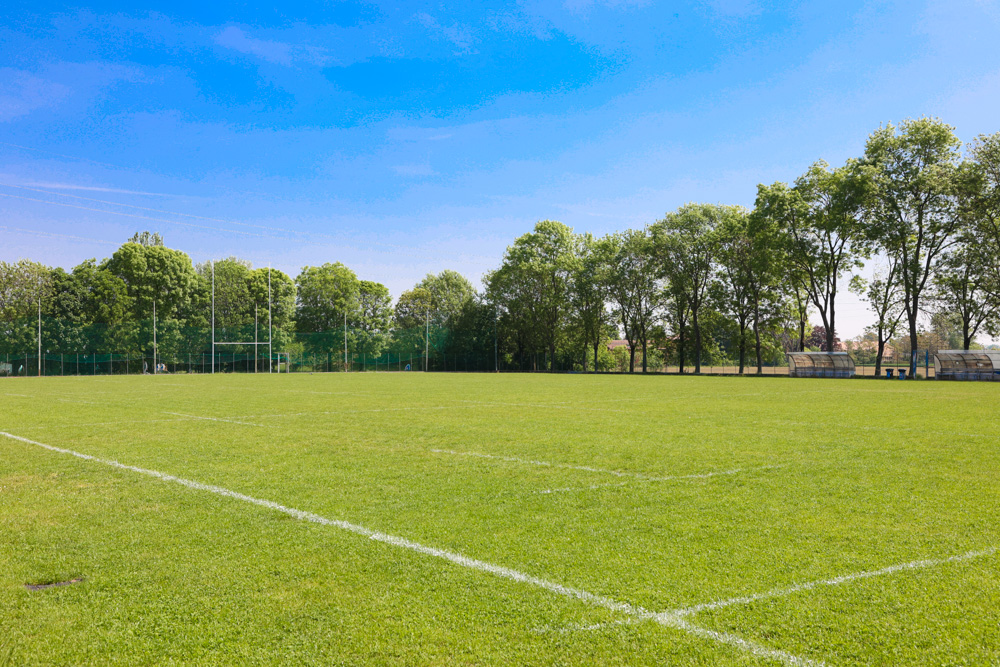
(146, 239)
(327, 296)
(373, 317)
(531, 287)
(587, 295)
(820, 222)
(633, 286)
(734, 293)
(154, 273)
(913, 213)
(966, 290)
(885, 296)
(450, 291)
(763, 273)
(686, 245)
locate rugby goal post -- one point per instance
(256, 341)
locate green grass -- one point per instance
(179, 575)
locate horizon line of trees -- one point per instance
(704, 283)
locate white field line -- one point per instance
(76, 400)
(605, 471)
(213, 419)
(21, 395)
(786, 591)
(702, 475)
(352, 412)
(669, 621)
(116, 423)
(836, 581)
(882, 429)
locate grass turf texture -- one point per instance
(822, 478)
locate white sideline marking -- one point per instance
(788, 590)
(666, 620)
(836, 581)
(212, 419)
(354, 412)
(21, 395)
(117, 423)
(75, 400)
(702, 475)
(616, 473)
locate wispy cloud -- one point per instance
(22, 92)
(272, 51)
(414, 170)
(95, 188)
(456, 33)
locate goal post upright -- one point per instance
(270, 350)
(213, 316)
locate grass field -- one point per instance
(513, 519)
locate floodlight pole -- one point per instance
(345, 341)
(270, 353)
(213, 316)
(154, 336)
(39, 329)
(254, 337)
(427, 339)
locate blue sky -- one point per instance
(405, 138)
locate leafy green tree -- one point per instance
(449, 291)
(884, 295)
(820, 222)
(372, 321)
(327, 296)
(764, 275)
(154, 273)
(22, 284)
(146, 239)
(587, 295)
(633, 287)
(685, 243)
(914, 214)
(965, 289)
(531, 287)
(735, 289)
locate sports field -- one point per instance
(410, 518)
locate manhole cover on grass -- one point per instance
(39, 587)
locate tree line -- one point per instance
(706, 282)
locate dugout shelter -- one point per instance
(820, 365)
(981, 365)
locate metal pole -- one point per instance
(496, 358)
(213, 316)
(427, 338)
(255, 338)
(269, 335)
(345, 341)
(154, 336)
(39, 329)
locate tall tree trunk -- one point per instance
(631, 357)
(644, 354)
(596, 345)
(802, 331)
(756, 334)
(913, 341)
(680, 350)
(743, 347)
(881, 353)
(697, 343)
(966, 338)
(831, 332)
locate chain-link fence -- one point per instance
(166, 346)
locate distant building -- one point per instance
(866, 346)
